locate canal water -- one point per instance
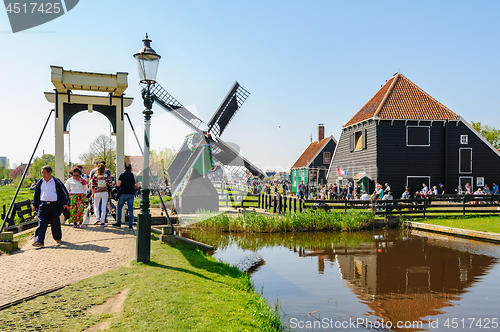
(380, 281)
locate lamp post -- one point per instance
(147, 64)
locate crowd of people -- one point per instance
(52, 198)
(351, 192)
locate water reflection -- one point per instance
(391, 276)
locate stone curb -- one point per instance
(467, 233)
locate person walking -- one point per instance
(100, 183)
(49, 199)
(77, 189)
(127, 183)
(302, 189)
(91, 175)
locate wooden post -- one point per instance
(425, 205)
(274, 205)
(463, 205)
(300, 205)
(258, 202)
(295, 204)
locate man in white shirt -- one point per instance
(49, 200)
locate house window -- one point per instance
(465, 160)
(418, 136)
(326, 157)
(415, 182)
(464, 139)
(357, 140)
(480, 182)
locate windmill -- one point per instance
(204, 150)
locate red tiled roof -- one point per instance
(310, 152)
(400, 98)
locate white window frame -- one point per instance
(460, 161)
(329, 157)
(428, 183)
(464, 139)
(471, 182)
(480, 181)
(428, 127)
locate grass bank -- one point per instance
(180, 290)
(309, 220)
(483, 224)
(7, 193)
(153, 199)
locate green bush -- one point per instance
(310, 220)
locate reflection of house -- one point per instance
(406, 279)
(313, 163)
(405, 137)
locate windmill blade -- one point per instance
(185, 159)
(227, 156)
(172, 106)
(227, 109)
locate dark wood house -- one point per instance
(403, 136)
(312, 165)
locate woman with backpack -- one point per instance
(100, 183)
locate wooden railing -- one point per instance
(410, 208)
(417, 208)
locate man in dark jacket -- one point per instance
(49, 200)
(127, 183)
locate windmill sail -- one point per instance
(186, 158)
(212, 152)
(227, 109)
(226, 155)
(171, 105)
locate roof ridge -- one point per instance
(379, 108)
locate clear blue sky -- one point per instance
(304, 63)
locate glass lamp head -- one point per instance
(147, 62)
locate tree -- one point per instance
(160, 159)
(5, 169)
(102, 148)
(491, 134)
(39, 162)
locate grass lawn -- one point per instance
(180, 290)
(483, 224)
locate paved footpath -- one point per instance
(82, 253)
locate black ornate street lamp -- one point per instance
(147, 63)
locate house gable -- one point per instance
(311, 152)
(400, 98)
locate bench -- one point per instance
(24, 211)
